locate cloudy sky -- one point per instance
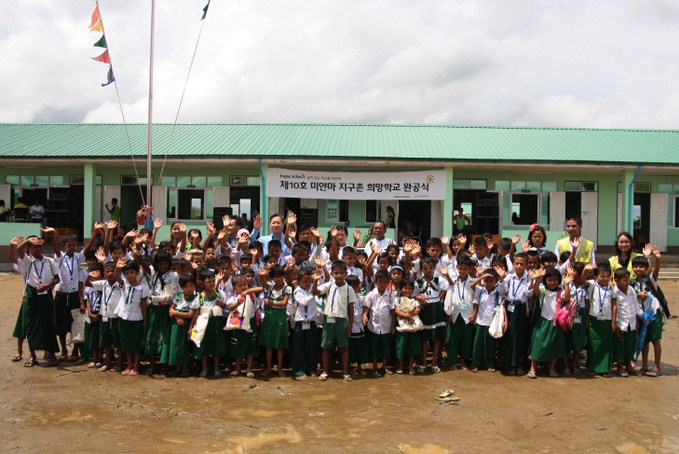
(607, 64)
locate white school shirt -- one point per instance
(338, 300)
(129, 307)
(578, 294)
(642, 286)
(628, 308)
(460, 300)
(381, 307)
(160, 297)
(600, 304)
(69, 272)
(486, 262)
(305, 305)
(227, 291)
(183, 305)
(431, 289)
(40, 272)
(357, 326)
(486, 303)
(549, 302)
(443, 261)
(93, 300)
(517, 288)
(212, 302)
(110, 297)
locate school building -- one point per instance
(504, 178)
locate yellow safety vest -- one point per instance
(583, 255)
(616, 265)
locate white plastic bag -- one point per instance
(495, 328)
(240, 317)
(198, 332)
(78, 327)
(405, 326)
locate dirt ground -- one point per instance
(75, 409)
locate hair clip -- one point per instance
(532, 227)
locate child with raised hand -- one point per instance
(305, 336)
(629, 311)
(515, 340)
(459, 307)
(358, 343)
(93, 320)
(408, 343)
(132, 313)
(429, 290)
(646, 286)
(213, 343)
(182, 311)
(576, 338)
(378, 317)
(241, 305)
(339, 315)
(274, 331)
(487, 299)
(537, 238)
(110, 288)
(602, 318)
(547, 343)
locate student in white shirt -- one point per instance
(515, 340)
(42, 277)
(487, 298)
(109, 333)
(629, 311)
(305, 336)
(602, 318)
(380, 320)
(459, 307)
(132, 313)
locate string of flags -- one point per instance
(97, 25)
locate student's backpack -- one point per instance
(657, 294)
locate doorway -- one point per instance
(642, 218)
(415, 215)
(130, 203)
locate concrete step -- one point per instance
(669, 274)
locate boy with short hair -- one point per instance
(305, 335)
(629, 311)
(487, 298)
(459, 306)
(601, 319)
(339, 316)
(515, 340)
(646, 286)
(380, 305)
(109, 335)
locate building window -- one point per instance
(469, 184)
(336, 211)
(642, 187)
(131, 180)
(581, 186)
(187, 204)
(191, 182)
(525, 186)
(42, 181)
(77, 180)
(372, 211)
(238, 180)
(525, 209)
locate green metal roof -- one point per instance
(350, 141)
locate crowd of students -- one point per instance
(229, 301)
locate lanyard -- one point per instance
(578, 295)
(601, 300)
(70, 268)
(106, 300)
(516, 287)
(94, 299)
(39, 275)
(464, 285)
(497, 296)
(129, 296)
(332, 301)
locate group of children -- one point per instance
(233, 299)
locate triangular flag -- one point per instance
(101, 42)
(98, 27)
(95, 17)
(103, 58)
(109, 77)
(205, 10)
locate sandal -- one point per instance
(532, 374)
(52, 362)
(235, 373)
(73, 359)
(634, 372)
(399, 371)
(203, 374)
(301, 377)
(653, 373)
(421, 369)
(250, 375)
(103, 369)
(265, 373)
(91, 365)
(435, 369)
(520, 372)
(31, 362)
(186, 374)
(576, 371)
(323, 377)
(218, 374)
(61, 358)
(132, 373)
(347, 377)
(388, 372)
(16, 358)
(150, 372)
(474, 369)
(125, 372)
(567, 372)
(552, 373)
(411, 371)
(622, 373)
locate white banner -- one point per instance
(426, 185)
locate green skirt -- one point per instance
(408, 344)
(483, 354)
(654, 330)
(157, 329)
(176, 351)
(577, 338)
(379, 345)
(92, 331)
(20, 326)
(213, 342)
(109, 333)
(515, 341)
(274, 332)
(460, 340)
(244, 343)
(547, 342)
(41, 331)
(433, 317)
(131, 336)
(358, 348)
(600, 346)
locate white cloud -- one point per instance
(557, 63)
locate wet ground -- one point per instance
(75, 409)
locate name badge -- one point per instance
(330, 320)
(463, 306)
(72, 289)
(307, 325)
(104, 319)
(577, 320)
(510, 307)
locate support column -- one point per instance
(628, 201)
(448, 204)
(89, 204)
(263, 200)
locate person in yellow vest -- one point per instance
(624, 253)
(585, 250)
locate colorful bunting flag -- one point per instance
(103, 58)
(98, 27)
(95, 17)
(101, 42)
(205, 10)
(109, 77)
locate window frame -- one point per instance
(339, 220)
(176, 217)
(540, 213)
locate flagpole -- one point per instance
(150, 126)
